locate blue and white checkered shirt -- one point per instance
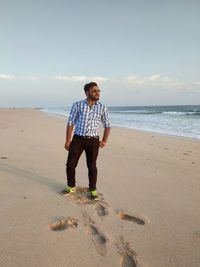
(86, 119)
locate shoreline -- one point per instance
(132, 129)
(113, 126)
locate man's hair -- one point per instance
(89, 85)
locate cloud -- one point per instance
(29, 77)
(159, 78)
(24, 77)
(152, 81)
(155, 77)
(81, 78)
(134, 80)
(6, 77)
(196, 84)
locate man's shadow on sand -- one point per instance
(53, 185)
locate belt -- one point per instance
(88, 137)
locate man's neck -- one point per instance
(90, 102)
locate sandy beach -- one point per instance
(148, 214)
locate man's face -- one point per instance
(94, 93)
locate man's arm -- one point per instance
(107, 126)
(106, 123)
(105, 137)
(69, 131)
(70, 125)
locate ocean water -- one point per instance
(173, 120)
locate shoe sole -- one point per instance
(63, 194)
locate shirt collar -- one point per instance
(85, 101)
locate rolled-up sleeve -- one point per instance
(73, 115)
(105, 118)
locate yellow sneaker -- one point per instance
(68, 190)
(93, 195)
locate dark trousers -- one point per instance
(91, 147)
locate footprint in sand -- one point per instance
(61, 223)
(81, 196)
(128, 256)
(127, 261)
(98, 238)
(196, 236)
(126, 217)
(101, 209)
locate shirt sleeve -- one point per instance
(73, 115)
(105, 118)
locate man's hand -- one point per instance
(102, 144)
(67, 145)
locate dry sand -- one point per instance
(148, 214)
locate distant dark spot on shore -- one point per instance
(24, 197)
(187, 154)
(4, 158)
(193, 162)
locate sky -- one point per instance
(139, 52)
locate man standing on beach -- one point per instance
(86, 115)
